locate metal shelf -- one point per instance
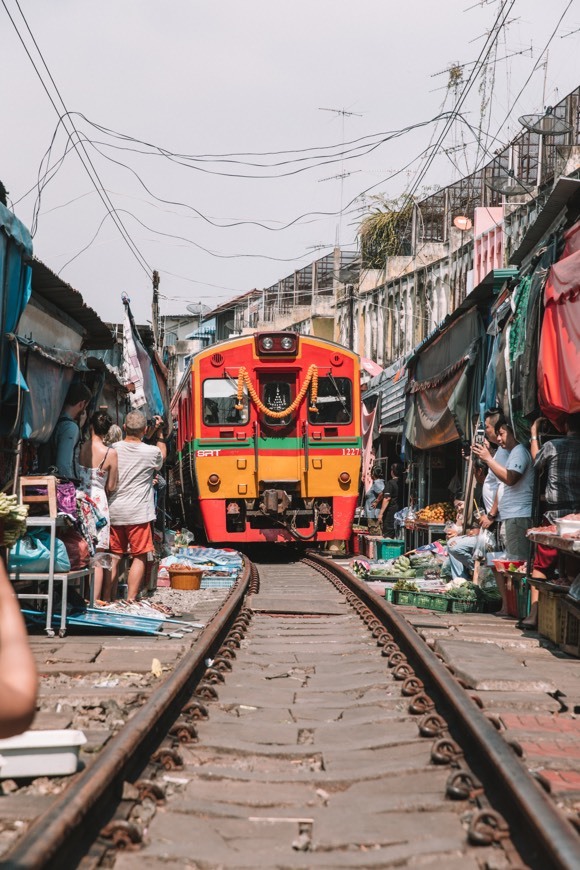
(51, 575)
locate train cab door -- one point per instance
(279, 438)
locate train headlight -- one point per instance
(344, 477)
(287, 343)
(267, 343)
(213, 479)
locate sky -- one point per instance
(196, 80)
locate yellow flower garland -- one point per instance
(244, 378)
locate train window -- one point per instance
(276, 396)
(334, 401)
(220, 398)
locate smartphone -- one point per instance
(479, 437)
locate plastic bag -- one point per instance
(76, 548)
(66, 498)
(31, 554)
(484, 542)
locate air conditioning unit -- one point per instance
(183, 346)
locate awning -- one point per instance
(389, 387)
(558, 369)
(15, 289)
(446, 384)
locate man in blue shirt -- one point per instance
(67, 432)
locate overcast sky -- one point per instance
(206, 78)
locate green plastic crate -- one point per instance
(432, 601)
(389, 549)
(389, 594)
(406, 598)
(460, 606)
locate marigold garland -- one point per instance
(311, 377)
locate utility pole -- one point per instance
(350, 293)
(155, 310)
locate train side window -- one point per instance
(277, 396)
(220, 398)
(334, 401)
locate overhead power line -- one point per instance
(84, 157)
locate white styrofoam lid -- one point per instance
(44, 739)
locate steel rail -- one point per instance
(535, 822)
(80, 811)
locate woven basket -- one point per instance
(185, 579)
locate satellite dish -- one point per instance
(230, 324)
(508, 185)
(545, 125)
(463, 223)
(198, 308)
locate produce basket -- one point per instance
(432, 601)
(400, 596)
(462, 605)
(389, 549)
(181, 578)
(551, 616)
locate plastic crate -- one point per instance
(407, 598)
(459, 605)
(551, 616)
(389, 549)
(217, 582)
(389, 594)
(432, 601)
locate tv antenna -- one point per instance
(343, 114)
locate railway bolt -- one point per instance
(495, 721)
(487, 827)
(195, 710)
(123, 835)
(226, 652)
(412, 686)
(207, 692)
(212, 675)
(445, 751)
(432, 725)
(185, 732)
(220, 663)
(396, 658)
(167, 758)
(235, 635)
(403, 671)
(150, 789)
(516, 747)
(389, 648)
(421, 704)
(231, 643)
(461, 786)
(383, 638)
(476, 700)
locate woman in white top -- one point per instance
(98, 473)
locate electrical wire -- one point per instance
(92, 174)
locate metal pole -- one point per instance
(350, 292)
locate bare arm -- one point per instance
(534, 442)
(113, 467)
(18, 677)
(162, 447)
(510, 477)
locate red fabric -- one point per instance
(558, 363)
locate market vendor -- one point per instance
(558, 461)
(372, 500)
(461, 548)
(389, 503)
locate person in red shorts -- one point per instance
(132, 505)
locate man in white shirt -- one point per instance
(132, 505)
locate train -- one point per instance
(268, 446)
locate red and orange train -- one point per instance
(269, 439)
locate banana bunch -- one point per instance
(402, 567)
(12, 519)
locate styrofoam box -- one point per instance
(565, 526)
(40, 753)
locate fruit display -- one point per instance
(442, 512)
(405, 586)
(12, 519)
(399, 567)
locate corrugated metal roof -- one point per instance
(232, 303)
(53, 289)
(563, 191)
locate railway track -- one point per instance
(335, 737)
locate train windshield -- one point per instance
(220, 398)
(334, 401)
(277, 396)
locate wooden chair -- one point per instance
(27, 497)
